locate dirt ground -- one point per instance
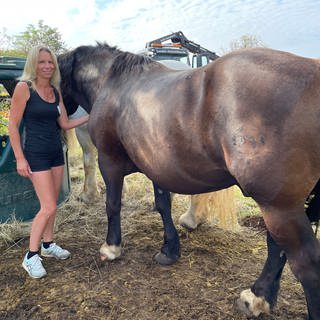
(205, 283)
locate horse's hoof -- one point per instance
(188, 222)
(165, 260)
(252, 305)
(109, 252)
(88, 198)
(187, 227)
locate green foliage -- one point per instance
(4, 110)
(4, 115)
(6, 48)
(40, 34)
(12, 53)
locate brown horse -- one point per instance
(251, 118)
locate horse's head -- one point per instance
(82, 71)
(65, 61)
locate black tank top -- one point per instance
(41, 127)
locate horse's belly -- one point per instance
(179, 180)
(184, 186)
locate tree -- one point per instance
(245, 41)
(6, 47)
(5, 39)
(40, 34)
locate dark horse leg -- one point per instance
(113, 175)
(292, 232)
(262, 297)
(113, 178)
(170, 251)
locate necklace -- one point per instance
(47, 94)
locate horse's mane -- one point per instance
(123, 62)
(126, 62)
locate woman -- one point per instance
(37, 100)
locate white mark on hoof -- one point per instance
(109, 252)
(252, 305)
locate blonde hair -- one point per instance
(30, 68)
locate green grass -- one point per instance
(246, 206)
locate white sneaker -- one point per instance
(34, 266)
(55, 251)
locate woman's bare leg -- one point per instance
(44, 185)
(57, 176)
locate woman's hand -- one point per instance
(23, 168)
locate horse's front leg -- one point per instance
(113, 179)
(111, 249)
(170, 251)
(262, 297)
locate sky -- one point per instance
(288, 25)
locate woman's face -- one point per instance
(45, 67)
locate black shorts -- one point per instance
(44, 161)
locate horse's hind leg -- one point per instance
(263, 295)
(302, 249)
(292, 232)
(90, 189)
(170, 251)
